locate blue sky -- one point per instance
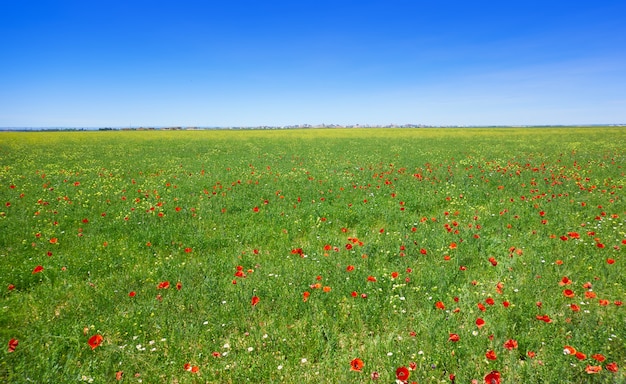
(249, 63)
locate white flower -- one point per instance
(303, 360)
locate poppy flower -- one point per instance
(569, 350)
(440, 305)
(580, 356)
(11, 287)
(118, 375)
(568, 293)
(163, 285)
(350, 268)
(590, 295)
(402, 373)
(453, 337)
(612, 367)
(510, 344)
(13, 344)
(356, 365)
(490, 301)
(480, 322)
(481, 307)
(565, 281)
(37, 269)
(492, 377)
(371, 279)
(394, 275)
(598, 357)
(305, 296)
(179, 286)
(491, 355)
(255, 300)
(94, 341)
(591, 369)
(132, 294)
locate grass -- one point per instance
(456, 216)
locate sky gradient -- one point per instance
(251, 63)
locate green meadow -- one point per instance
(313, 256)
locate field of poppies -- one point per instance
(314, 256)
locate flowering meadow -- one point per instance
(314, 256)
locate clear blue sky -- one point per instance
(247, 63)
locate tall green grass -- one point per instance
(421, 211)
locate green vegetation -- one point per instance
(387, 245)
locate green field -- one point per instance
(284, 256)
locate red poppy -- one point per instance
(350, 268)
(13, 344)
(568, 293)
(188, 250)
(11, 287)
(565, 281)
(480, 322)
(163, 285)
(440, 305)
(490, 301)
(580, 356)
(598, 357)
(356, 365)
(402, 373)
(255, 300)
(591, 369)
(54, 240)
(492, 377)
(371, 279)
(453, 337)
(491, 355)
(481, 307)
(493, 261)
(94, 341)
(394, 275)
(37, 269)
(510, 344)
(305, 296)
(132, 294)
(612, 367)
(569, 350)
(179, 285)
(118, 375)
(590, 295)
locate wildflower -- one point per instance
(163, 285)
(612, 367)
(569, 350)
(453, 337)
(510, 344)
(356, 365)
(491, 355)
(255, 300)
(591, 369)
(440, 305)
(598, 357)
(350, 268)
(402, 373)
(12, 345)
(480, 322)
(132, 294)
(568, 293)
(492, 377)
(94, 341)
